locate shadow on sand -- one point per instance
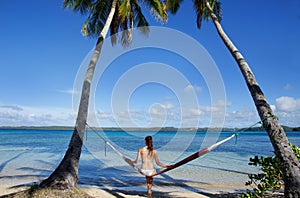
(119, 182)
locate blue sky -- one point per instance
(42, 50)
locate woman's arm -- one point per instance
(157, 160)
(137, 157)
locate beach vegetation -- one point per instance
(103, 15)
(289, 164)
(270, 176)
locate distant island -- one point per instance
(163, 129)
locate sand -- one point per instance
(204, 181)
(207, 183)
(121, 192)
(172, 190)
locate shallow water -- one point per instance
(31, 155)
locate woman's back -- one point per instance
(147, 158)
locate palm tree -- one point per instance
(103, 15)
(210, 9)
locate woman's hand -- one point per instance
(169, 166)
(129, 161)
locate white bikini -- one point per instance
(147, 172)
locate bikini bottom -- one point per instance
(147, 172)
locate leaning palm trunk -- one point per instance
(66, 174)
(288, 161)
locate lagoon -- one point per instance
(28, 156)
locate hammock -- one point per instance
(170, 167)
(187, 159)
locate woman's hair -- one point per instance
(149, 143)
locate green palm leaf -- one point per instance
(128, 15)
(201, 10)
(83, 6)
(173, 5)
(139, 19)
(157, 9)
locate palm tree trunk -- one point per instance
(66, 174)
(288, 161)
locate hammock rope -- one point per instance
(194, 156)
(127, 160)
(185, 160)
(259, 122)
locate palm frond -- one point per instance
(172, 5)
(203, 12)
(131, 22)
(216, 6)
(114, 26)
(82, 6)
(97, 17)
(125, 38)
(157, 9)
(125, 8)
(139, 19)
(199, 7)
(128, 14)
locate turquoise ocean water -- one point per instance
(28, 156)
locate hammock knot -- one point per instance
(267, 117)
(236, 137)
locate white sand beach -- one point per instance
(203, 178)
(208, 187)
(109, 192)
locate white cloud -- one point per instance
(158, 111)
(287, 109)
(288, 104)
(195, 112)
(273, 107)
(166, 106)
(69, 91)
(191, 88)
(14, 115)
(222, 103)
(241, 118)
(167, 114)
(104, 115)
(152, 117)
(289, 118)
(11, 107)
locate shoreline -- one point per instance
(167, 188)
(212, 176)
(136, 191)
(207, 183)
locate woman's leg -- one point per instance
(149, 185)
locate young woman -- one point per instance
(148, 154)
